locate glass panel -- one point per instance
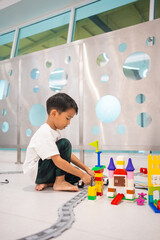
(95, 19)
(157, 9)
(6, 41)
(45, 34)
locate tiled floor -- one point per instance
(24, 211)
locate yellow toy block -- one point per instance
(92, 191)
(99, 182)
(99, 187)
(120, 162)
(153, 170)
(98, 174)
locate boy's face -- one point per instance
(62, 120)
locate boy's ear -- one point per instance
(53, 112)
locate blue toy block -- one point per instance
(98, 155)
(154, 208)
(150, 198)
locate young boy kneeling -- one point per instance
(48, 155)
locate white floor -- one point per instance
(24, 211)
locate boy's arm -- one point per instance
(64, 165)
(81, 165)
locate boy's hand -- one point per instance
(86, 179)
(91, 173)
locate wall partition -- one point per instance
(114, 78)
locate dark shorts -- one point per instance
(47, 170)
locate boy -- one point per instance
(48, 155)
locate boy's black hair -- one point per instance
(61, 102)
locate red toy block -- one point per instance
(99, 171)
(120, 172)
(143, 170)
(100, 193)
(98, 178)
(117, 199)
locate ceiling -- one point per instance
(7, 3)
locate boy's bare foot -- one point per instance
(40, 187)
(64, 186)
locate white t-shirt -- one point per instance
(42, 145)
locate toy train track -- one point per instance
(64, 222)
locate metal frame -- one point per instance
(152, 10)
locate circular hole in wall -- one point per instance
(122, 47)
(105, 78)
(102, 59)
(108, 109)
(34, 73)
(37, 114)
(10, 72)
(144, 119)
(5, 127)
(28, 132)
(140, 98)
(150, 41)
(58, 79)
(4, 112)
(121, 129)
(68, 59)
(95, 130)
(137, 66)
(48, 64)
(4, 89)
(36, 89)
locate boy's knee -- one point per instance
(64, 142)
(64, 145)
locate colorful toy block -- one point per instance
(92, 192)
(121, 177)
(153, 181)
(98, 169)
(117, 199)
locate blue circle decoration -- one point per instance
(121, 129)
(34, 73)
(108, 109)
(95, 130)
(37, 114)
(28, 132)
(5, 127)
(122, 47)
